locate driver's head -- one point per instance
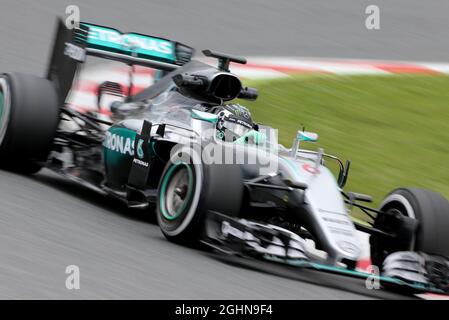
(234, 121)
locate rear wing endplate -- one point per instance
(72, 46)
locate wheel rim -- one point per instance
(405, 208)
(4, 108)
(401, 200)
(393, 204)
(176, 191)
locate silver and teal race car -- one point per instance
(184, 150)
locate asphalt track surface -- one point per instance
(47, 223)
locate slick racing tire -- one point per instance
(188, 189)
(430, 209)
(29, 116)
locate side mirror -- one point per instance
(307, 136)
(203, 121)
(302, 136)
(204, 116)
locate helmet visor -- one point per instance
(237, 129)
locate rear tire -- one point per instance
(189, 189)
(431, 210)
(29, 117)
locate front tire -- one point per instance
(430, 209)
(189, 189)
(29, 116)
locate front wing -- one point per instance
(410, 272)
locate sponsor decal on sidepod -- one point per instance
(120, 144)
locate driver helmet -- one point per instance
(234, 121)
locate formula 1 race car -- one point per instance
(212, 174)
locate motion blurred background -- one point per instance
(410, 29)
(393, 127)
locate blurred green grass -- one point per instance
(394, 129)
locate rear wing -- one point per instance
(72, 46)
